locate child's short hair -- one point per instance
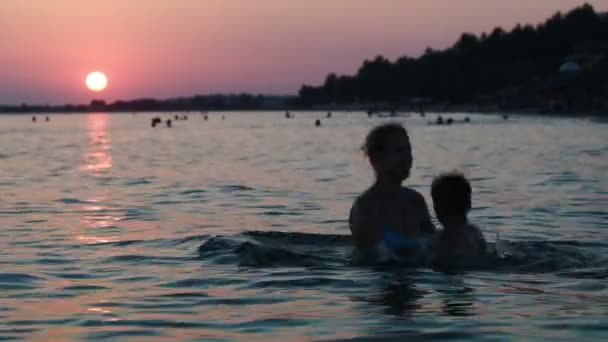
(378, 137)
(451, 194)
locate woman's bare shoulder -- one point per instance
(362, 204)
(413, 194)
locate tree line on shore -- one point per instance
(474, 68)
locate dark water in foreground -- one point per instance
(236, 230)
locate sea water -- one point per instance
(237, 229)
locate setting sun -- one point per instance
(96, 81)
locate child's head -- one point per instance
(451, 194)
(389, 151)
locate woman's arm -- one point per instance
(362, 227)
(426, 225)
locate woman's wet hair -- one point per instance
(451, 194)
(380, 136)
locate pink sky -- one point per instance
(164, 48)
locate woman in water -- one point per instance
(389, 219)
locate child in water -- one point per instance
(460, 243)
(389, 219)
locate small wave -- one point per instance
(545, 257)
(18, 281)
(171, 202)
(54, 261)
(140, 258)
(113, 335)
(75, 276)
(305, 282)
(188, 239)
(414, 335)
(135, 279)
(85, 288)
(235, 188)
(301, 238)
(258, 249)
(36, 221)
(593, 153)
(281, 249)
(18, 277)
(197, 294)
(587, 273)
(281, 213)
(144, 214)
(203, 282)
(193, 192)
(152, 242)
(118, 243)
(71, 201)
(333, 222)
(67, 146)
(137, 181)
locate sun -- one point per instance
(96, 81)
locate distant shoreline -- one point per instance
(430, 110)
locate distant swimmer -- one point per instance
(206, 117)
(169, 123)
(449, 121)
(460, 243)
(176, 117)
(466, 119)
(328, 115)
(318, 123)
(156, 121)
(33, 119)
(389, 220)
(47, 119)
(439, 120)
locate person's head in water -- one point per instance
(389, 151)
(451, 194)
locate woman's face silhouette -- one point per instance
(394, 159)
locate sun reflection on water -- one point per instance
(99, 157)
(98, 161)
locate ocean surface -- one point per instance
(236, 229)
